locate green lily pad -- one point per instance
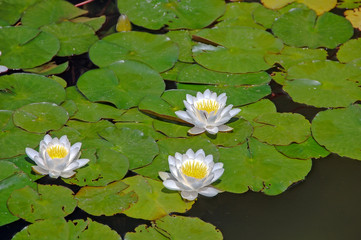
(157, 51)
(143, 232)
(323, 84)
(89, 111)
(172, 74)
(261, 168)
(49, 69)
(171, 129)
(13, 140)
(11, 10)
(290, 56)
(11, 178)
(108, 200)
(184, 41)
(170, 146)
(152, 193)
(239, 14)
(104, 167)
(155, 14)
(300, 28)
(24, 163)
(23, 47)
(49, 202)
(74, 38)
(350, 51)
(305, 150)
(265, 16)
(50, 11)
(19, 89)
(125, 84)
(339, 130)
(40, 117)
(241, 89)
(252, 111)
(349, 4)
(235, 49)
(128, 142)
(95, 23)
(58, 228)
(282, 128)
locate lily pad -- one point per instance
(125, 84)
(40, 117)
(323, 84)
(89, 111)
(300, 28)
(152, 193)
(172, 73)
(13, 140)
(108, 166)
(11, 178)
(265, 16)
(305, 150)
(108, 200)
(169, 147)
(261, 168)
(184, 41)
(23, 47)
(350, 51)
(74, 38)
(49, 69)
(282, 128)
(19, 89)
(11, 10)
(24, 163)
(50, 11)
(143, 232)
(49, 202)
(128, 142)
(58, 228)
(252, 111)
(349, 4)
(157, 51)
(95, 23)
(155, 14)
(339, 130)
(290, 56)
(235, 49)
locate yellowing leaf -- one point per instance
(354, 16)
(123, 24)
(275, 4)
(319, 6)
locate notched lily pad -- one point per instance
(108, 200)
(50, 201)
(49, 69)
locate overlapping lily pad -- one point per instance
(49, 202)
(108, 200)
(123, 83)
(155, 14)
(324, 84)
(339, 130)
(19, 89)
(282, 128)
(265, 16)
(95, 23)
(49, 69)
(252, 111)
(58, 228)
(152, 193)
(157, 51)
(50, 11)
(184, 41)
(11, 178)
(74, 38)
(11, 10)
(23, 47)
(299, 28)
(40, 117)
(24, 163)
(259, 167)
(235, 49)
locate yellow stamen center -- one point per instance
(57, 151)
(207, 105)
(194, 169)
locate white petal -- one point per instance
(164, 175)
(213, 96)
(189, 99)
(40, 170)
(200, 155)
(199, 96)
(212, 130)
(217, 174)
(209, 191)
(31, 153)
(217, 166)
(47, 139)
(76, 145)
(40, 162)
(189, 195)
(71, 167)
(54, 174)
(224, 128)
(172, 185)
(208, 159)
(184, 116)
(173, 171)
(221, 98)
(67, 174)
(65, 142)
(82, 162)
(3, 68)
(196, 130)
(207, 94)
(187, 105)
(234, 112)
(73, 154)
(171, 160)
(178, 156)
(226, 110)
(190, 153)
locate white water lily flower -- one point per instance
(56, 157)
(207, 112)
(192, 173)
